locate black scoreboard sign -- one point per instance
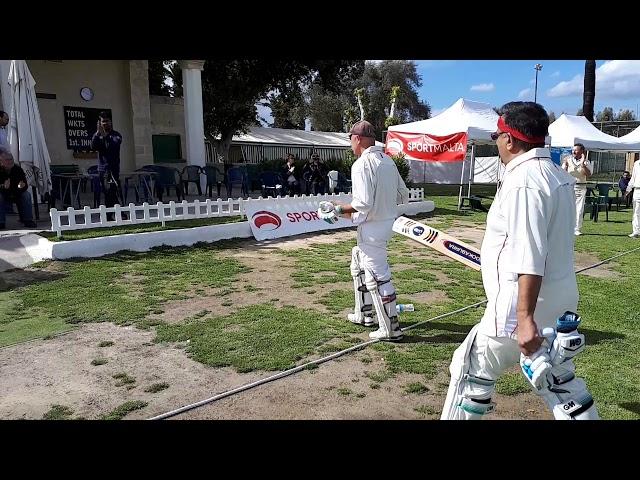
(80, 125)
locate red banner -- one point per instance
(425, 147)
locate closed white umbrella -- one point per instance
(25, 135)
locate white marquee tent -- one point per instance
(478, 120)
(631, 138)
(568, 130)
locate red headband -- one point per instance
(519, 135)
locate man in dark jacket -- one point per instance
(13, 188)
(106, 141)
(315, 175)
(623, 183)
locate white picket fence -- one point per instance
(79, 219)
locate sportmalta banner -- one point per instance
(282, 217)
(433, 159)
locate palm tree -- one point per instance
(589, 94)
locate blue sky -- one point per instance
(560, 83)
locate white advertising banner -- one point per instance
(282, 217)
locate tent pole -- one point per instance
(461, 185)
(472, 166)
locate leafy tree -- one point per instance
(289, 109)
(378, 82)
(605, 115)
(626, 115)
(326, 110)
(403, 166)
(231, 89)
(157, 77)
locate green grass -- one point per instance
(258, 337)
(123, 288)
(157, 387)
(611, 327)
(344, 392)
(58, 412)
(99, 361)
(415, 387)
(106, 343)
(512, 384)
(123, 379)
(138, 228)
(426, 410)
(123, 410)
(379, 377)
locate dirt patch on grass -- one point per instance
(602, 271)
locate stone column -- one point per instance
(193, 112)
(140, 114)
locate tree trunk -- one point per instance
(225, 145)
(589, 95)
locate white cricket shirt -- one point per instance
(530, 230)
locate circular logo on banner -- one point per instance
(417, 231)
(266, 220)
(394, 146)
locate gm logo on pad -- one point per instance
(266, 220)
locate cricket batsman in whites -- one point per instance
(529, 280)
(377, 189)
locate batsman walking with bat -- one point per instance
(529, 280)
(377, 189)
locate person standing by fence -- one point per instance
(634, 186)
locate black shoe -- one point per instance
(30, 224)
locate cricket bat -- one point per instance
(440, 241)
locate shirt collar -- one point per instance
(533, 153)
(372, 148)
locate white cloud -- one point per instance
(526, 93)
(614, 79)
(618, 79)
(483, 87)
(555, 74)
(568, 88)
(532, 81)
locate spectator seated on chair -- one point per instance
(623, 183)
(314, 174)
(291, 176)
(14, 188)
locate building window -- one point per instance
(166, 149)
